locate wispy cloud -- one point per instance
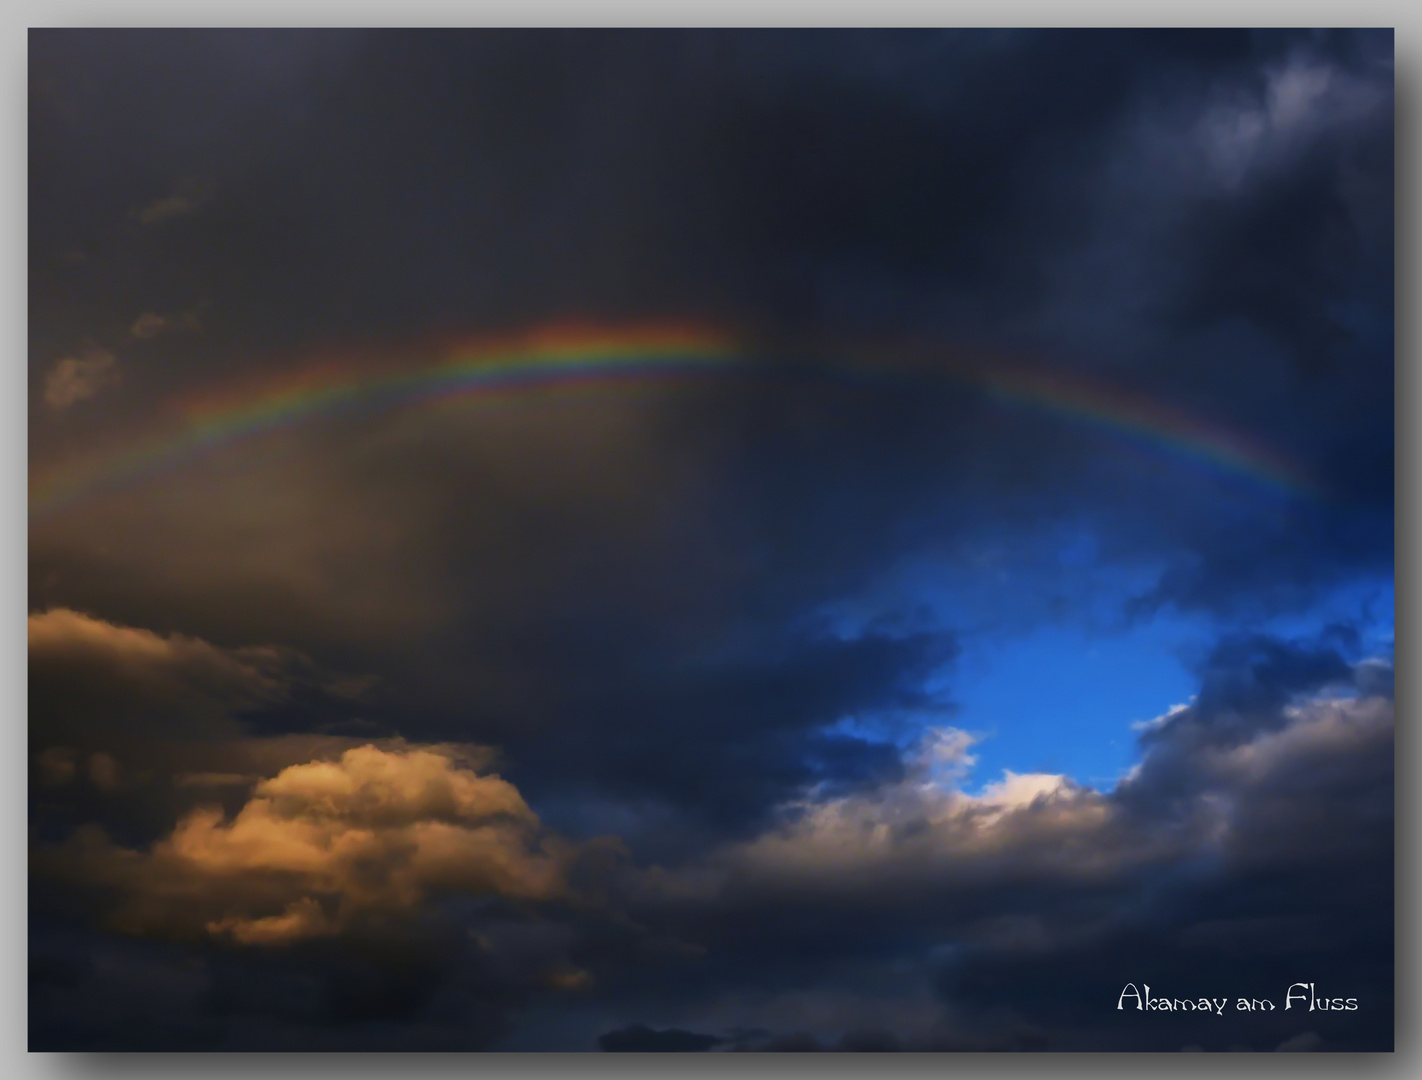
(151, 325)
(74, 378)
(189, 196)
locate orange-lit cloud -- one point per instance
(62, 633)
(103, 685)
(323, 845)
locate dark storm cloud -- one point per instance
(412, 987)
(271, 957)
(1240, 866)
(951, 185)
(1246, 681)
(728, 740)
(1254, 840)
(630, 599)
(1280, 250)
(513, 176)
(637, 630)
(129, 728)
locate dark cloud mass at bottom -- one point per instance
(627, 719)
(1235, 861)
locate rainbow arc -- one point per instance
(570, 357)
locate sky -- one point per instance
(710, 541)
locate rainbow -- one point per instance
(556, 357)
(1135, 415)
(569, 356)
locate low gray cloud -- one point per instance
(1032, 903)
(954, 919)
